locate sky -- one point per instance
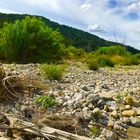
(115, 20)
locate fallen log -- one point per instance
(43, 131)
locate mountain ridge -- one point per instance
(73, 36)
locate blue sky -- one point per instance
(116, 20)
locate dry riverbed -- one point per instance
(103, 104)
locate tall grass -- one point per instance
(52, 71)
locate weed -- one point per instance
(45, 101)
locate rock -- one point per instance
(128, 113)
(93, 98)
(106, 108)
(114, 114)
(135, 122)
(106, 95)
(117, 127)
(78, 97)
(127, 107)
(96, 113)
(100, 103)
(138, 112)
(126, 120)
(110, 124)
(110, 135)
(128, 100)
(104, 118)
(85, 88)
(88, 115)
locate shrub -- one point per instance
(112, 50)
(52, 71)
(104, 60)
(93, 65)
(30, 40)
(72, 52)
(45, 101)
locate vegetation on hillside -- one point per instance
(72, 36)
(30, 40)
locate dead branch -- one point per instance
(43, 132)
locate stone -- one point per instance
(117, 127)
(106, 108)
(88, 115)
(96, 113)
(128, 100)
(110, 135)
(114, 114)
(126, 120)
(100, 103)
(106, 95)
(93, 98)
(78, 97)
(110, 124)
(135, 122)
(85, 88)
(128, 113)
(127, 107)
(138, 112)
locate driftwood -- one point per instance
(42, 132)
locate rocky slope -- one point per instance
(106, 102)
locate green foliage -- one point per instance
(95, 131)
(73, 52)
(112, 50)
(30, 40)
(45, 101)
(119, 96)
(52, 71)
(114, 55)
(104, 60)
(93, 65)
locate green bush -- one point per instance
(52, 71)
(93, 65)
(132, 60)
(30, 40)
(72, 52)
(104, 60)
(112, 50)
(45, 101)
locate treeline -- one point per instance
(72, 36)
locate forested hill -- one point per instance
(72, 36)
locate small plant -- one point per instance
(93, 65)
(52, 71)
(45, 101)
(118, 96)
(95, 131)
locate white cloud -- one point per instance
(96, 28)
(86, 7)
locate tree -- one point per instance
(30, 40)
